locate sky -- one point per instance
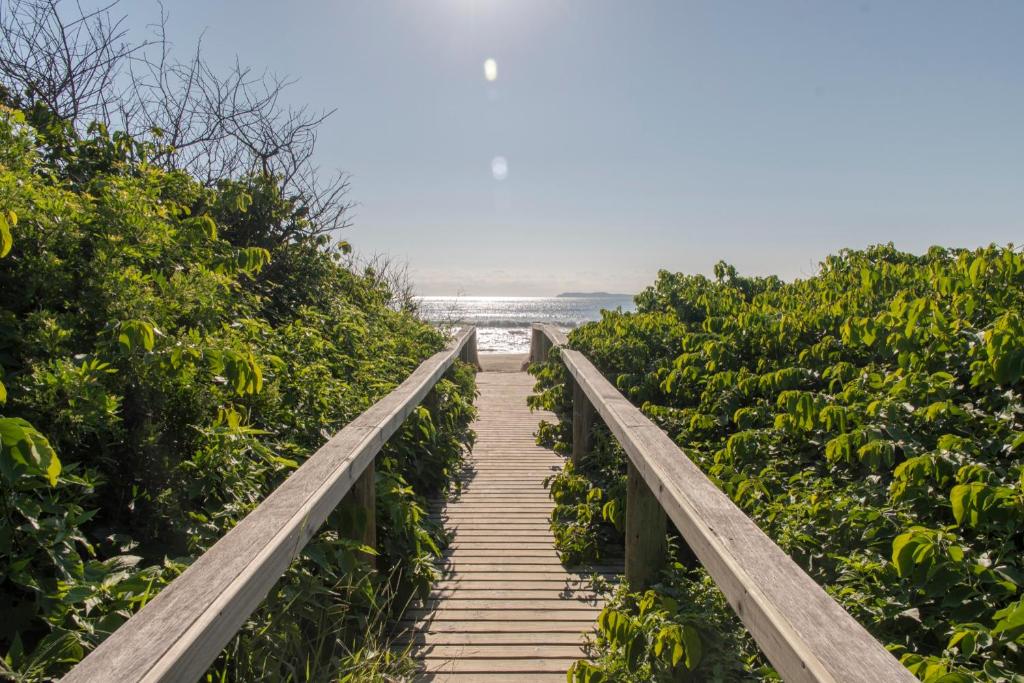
(620, 138)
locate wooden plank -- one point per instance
(511, 493)
(529, 552)
(454, 512)
(531, 517)
(502, 615)
(458, 518)
(490, 638)
(499, 505)
(470, 625)
(540, 525)
(539, 530)
(453, 603)
(494, 545)
(471, 568)
(550, 582)
(518, 563)
(496, 484)
(182, 630)
(539, 500)
(466, 594)
(497, 501)
(455, 515)
(472, 554)
(533, 474)
(459, 575)
(540, 521)
(463, 651)
(805, 634)
(477, 666)
(477, 677)
(507, 534)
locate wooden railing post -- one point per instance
(469, 351)
(645, 533)
(540, 345)
(361, 502)
(582, 423)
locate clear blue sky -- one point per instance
(646, 135)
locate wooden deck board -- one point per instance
(505, 608)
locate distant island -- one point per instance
(587, 295)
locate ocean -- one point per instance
(503, 322)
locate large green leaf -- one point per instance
(25, 451)
(7, 220)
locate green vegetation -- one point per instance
(170, 352)
(870, 419)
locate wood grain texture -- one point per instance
(805, 634)
(505, 608)
(645, 533)
(582, 424)
(362, 499)
(183, 629)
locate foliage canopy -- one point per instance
(869, 419)
(169, 358)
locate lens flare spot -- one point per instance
(491, 70)
(499, 168)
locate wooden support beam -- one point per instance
(432, 403)
(469, 351)
(645, 533)
(539, 346)
(361, 502)
(582, 423)
(543, 338)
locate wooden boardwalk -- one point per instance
(505, 609)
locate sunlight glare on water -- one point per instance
(503, 322)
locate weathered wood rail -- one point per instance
(804, 633)
(184, 628)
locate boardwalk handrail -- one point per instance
(805, 634)
(179, 633)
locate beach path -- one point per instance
(505, 609)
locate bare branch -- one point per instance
(234, 124)
(70, 65)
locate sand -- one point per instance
(503, 362)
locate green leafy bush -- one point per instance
(163, 371)
(869, 419)
(681, 630)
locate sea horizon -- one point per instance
(503, 322)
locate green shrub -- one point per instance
(163, 371)
(869, 419)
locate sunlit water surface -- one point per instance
(503, 322)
